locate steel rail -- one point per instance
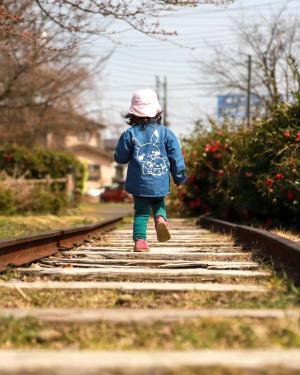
(22, 250)
(278, 248)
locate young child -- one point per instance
(152, 152)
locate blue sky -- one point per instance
(139, 58)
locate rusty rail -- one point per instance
(272, 245)
(22, 250)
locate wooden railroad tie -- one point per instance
(196, 260)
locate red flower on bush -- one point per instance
(290, 195)
(269, 181)
(207, 147)
(7, 157)
(279, 176)
(287, 134)
(249, 174)
(216, 146)
(220, 173)
(181, 195)
(191, 178)
(195, 203)
(298, 136)
(212, 148)
(269, 222)
(218, 156)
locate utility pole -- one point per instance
(157, 87)
(164, 84)
(165, 101)
(249, 92)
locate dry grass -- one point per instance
(12, 226)
(293, 236)
(57, 298)
(205, 333)
(25, 225)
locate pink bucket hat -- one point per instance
(144, 103)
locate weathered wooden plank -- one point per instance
(19, 362)
(152, 263)
(167, 244)
(141, 271)
(178, 232)
(136, 286)
(163, 249)
(143, 315)
(162, 256)
(174, 237)
(173, 231)
(154, 242)
(211, 265)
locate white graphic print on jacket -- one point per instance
(149, 156)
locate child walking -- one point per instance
(152, 152)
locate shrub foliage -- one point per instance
(18, 164)
(38, 163)
(246, 174)
(22, 198)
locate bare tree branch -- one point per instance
(41, 89)
(271, 42)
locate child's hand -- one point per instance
(179, 187)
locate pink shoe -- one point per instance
(162, 230)
(141, 246)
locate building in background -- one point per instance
(120, 170)
(234, 107)
(87, 144)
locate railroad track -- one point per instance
(22, 250)
(200, 303)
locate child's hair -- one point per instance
(136, 120)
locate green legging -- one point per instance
(142, 210)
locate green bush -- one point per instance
(44, 201)
(246, 175)
(30, 199)
(7, 205)
(38, 163)
(19, 164)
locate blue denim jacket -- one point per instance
(152, 152)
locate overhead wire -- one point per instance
(232, 8)
(135, 65)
